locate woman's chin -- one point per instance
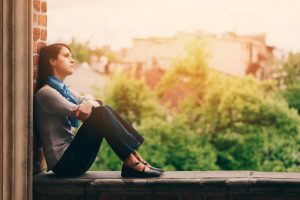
(71, 72)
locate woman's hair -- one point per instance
(44, 69)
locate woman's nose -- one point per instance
(72, 60)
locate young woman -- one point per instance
(57, 109)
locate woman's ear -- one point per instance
(52, 62)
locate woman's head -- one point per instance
(55, 59)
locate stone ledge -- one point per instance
(172, 185)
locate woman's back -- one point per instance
(51, 118)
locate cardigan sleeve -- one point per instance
(79, 97)
(52, 102)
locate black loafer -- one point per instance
(154, 168)
(132, 172)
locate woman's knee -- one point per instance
(100, 111)
(96, 112)
(101, 107)
(108, 107)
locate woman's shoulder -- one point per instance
(46, 90)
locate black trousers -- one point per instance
(103, 122)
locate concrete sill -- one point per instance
(172, 185)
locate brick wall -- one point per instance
(39, 30)
(39, 40)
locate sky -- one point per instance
(116, 22)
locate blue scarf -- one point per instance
(62, 88)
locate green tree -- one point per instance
(292, 95)
(132, 98)
(251, 125)
(292, 68)
(218, 122)
(174, 146)
(80, 50)
(186, 78)
(134, 101)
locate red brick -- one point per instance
(34, 75)
(36, 60)
(40, 45)
(34, 47)
(34, 89)
(43, 7)
(43, 20)
(34, 18)
(44, 34)
(36, 33)
(36, 6)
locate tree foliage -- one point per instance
(221, 123)
(252, 125)
(292, 69)
(132, 99)
(186, 78)
(292, 96)
(82, 51)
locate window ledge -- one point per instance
(172, 185)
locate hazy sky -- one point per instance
(116, 22)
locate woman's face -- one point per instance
(63, 66)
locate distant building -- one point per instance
(229, 53)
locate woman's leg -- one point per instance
(131, 160)
(134, 156)
(132, 131)
(125, 124)
(123, 139)
(138, 156)
(103, 122)
(78, 157)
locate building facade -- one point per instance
(229, 53)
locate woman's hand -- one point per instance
(95, 103)
(89, 96)
(92, 100)
(83, 110)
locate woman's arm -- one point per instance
(83, 111)
(87, 97)
(52, 102)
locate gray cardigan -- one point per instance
(51, 112)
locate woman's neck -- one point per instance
(59, 77)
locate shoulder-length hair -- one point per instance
(44, 69)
